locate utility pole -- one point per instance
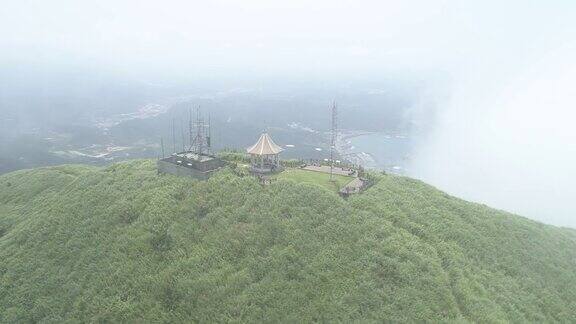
(162, 145)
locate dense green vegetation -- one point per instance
(317, 178)
(125, 244)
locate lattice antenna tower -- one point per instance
(200, 143)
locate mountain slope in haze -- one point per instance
(125, 244)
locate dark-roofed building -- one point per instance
(355, 186)
(199, 166)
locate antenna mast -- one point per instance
(209, 136)
(199, 132)
(173, 135)
(182, 133)
(191, 139)
(333, 137)
(201, 142)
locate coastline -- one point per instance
(388, 153)
(345, 149)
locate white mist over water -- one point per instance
(509, 140)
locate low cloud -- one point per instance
(506, 137)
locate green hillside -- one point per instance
(319, 178)
(124, 244)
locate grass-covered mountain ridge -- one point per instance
(123, 243)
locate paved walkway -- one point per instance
(326, 169)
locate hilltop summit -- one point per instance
(124, 244)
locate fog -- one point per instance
(497, 98)
(511, 145)
(503, 135)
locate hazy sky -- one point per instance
(277, 36)
(503, 134)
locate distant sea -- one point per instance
(387, 152)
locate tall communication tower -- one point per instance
(173, 135)
(190, 130)
(182, 133)
(199, 134)
(333, 137)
